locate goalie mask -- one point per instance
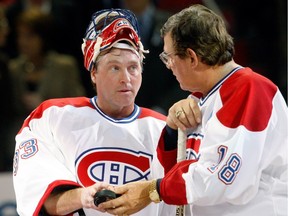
(107, 28)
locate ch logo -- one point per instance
(113, 165)
(120, 24)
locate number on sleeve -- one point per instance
(222, 150)
(229, 171)
(30, 148)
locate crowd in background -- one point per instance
(41, 58)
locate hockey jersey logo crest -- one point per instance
(113, 165)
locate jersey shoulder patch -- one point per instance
(247, 100)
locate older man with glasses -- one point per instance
(236, 158)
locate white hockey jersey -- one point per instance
(237, 157)
(72, 142)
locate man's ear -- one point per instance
(93, 75)
(193, 57)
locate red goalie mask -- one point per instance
(106, 28)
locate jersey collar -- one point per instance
(128, 119)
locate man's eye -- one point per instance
(134, 69)
(115, 68)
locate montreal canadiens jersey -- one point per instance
(237, 157)
(72, 142)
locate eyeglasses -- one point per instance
(166, 59)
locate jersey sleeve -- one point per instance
(166, 158)
(38, 163)
(243, 140)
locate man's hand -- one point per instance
(134, 197)
(66, 202)
(87, 195)
(184, 114)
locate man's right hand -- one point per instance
(184, 114)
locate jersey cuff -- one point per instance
(158, 182)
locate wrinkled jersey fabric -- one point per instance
(71, 142)
(237, 157)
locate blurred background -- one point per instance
(41, 58)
